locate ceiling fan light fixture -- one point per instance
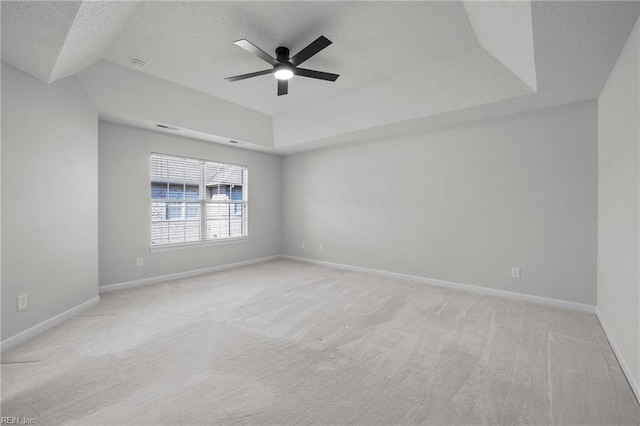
(283, 72)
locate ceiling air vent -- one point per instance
(164, 126)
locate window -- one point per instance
(196, 200)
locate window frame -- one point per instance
(203, 203)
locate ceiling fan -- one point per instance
(284, 67)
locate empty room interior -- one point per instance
(320, 212)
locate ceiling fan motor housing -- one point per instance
(284, 66)
(282, 54)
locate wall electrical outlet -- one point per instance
(515, 272)
(321, 247)
(22, 302)
(304, 245)
(139, 261)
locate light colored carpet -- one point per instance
(291, 343)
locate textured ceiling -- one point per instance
(399, 62)
(56, 39)
(373, 42)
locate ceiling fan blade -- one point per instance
(316, 46)
(251, 74)
(316, 74)
(252, 48)
(283, 87)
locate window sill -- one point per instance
(197, 244)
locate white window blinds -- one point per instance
(196, 200)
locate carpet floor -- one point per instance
(291, 343)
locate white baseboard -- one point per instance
(47, 324)
(179, 275)
(623, 364)
(456, 286)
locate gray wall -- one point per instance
(125, 205)
(618, 205)
(134, 96)
(462, 205)
(49, 199)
